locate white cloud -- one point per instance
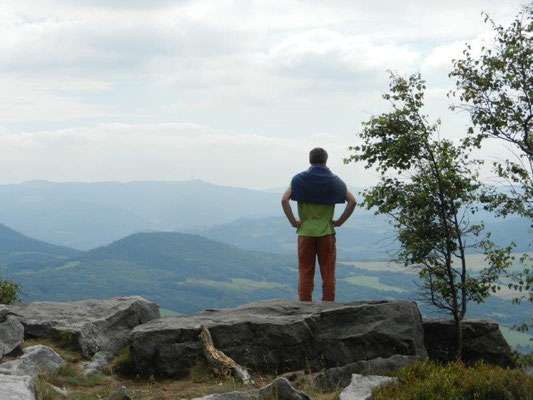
(328, 55)
(273, 78)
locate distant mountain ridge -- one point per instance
(87, 215)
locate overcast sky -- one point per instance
(231, 92)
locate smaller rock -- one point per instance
(3, 312)
(17, 387)
(482, 340)
(361, 386)
(98, 363)
(62, 392)
(281, 388)
(340, 377)
(36, 359)
(120, 394)
(11, 334)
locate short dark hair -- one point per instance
(318, 156)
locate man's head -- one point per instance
(318, 156)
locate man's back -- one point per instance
(317, 190)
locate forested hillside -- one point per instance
(15, 247)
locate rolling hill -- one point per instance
(180, 272)
(16, 247)
(365, 237)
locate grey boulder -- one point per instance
(341, 377)
(279, 389)
(36, 359)
(98, 363)
(11, 334)
(91, 325)
(282, 335)
(361, 387)
(482, 340)
(16, 387)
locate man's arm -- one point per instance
(287, 208)
(347, 211)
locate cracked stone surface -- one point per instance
(91, 325)
(282, 336)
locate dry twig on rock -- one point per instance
(220, 362)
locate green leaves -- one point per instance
(9, 292)
(429, 187)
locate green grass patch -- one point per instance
(70, 264)
(44, 391)
(372, 282)
(455, 381)
(99, 394)
(68, 375)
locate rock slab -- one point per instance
(279, 389)
(11, 334)
(279, 336)
(36, 359)
(91, 325)
(16, 387)
(361, 387)
(482, 340)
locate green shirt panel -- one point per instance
(316, 219)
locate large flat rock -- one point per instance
(16, 387)
(482, 340)
(92, 325)
(277, 336)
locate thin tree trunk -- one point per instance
(458, 337)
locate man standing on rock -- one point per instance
(317, 190)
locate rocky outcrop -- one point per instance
(340, 377)
(36, 359)
(17, 387)
(282, 336)
(482, 340)
(361, 387)
(11, 332)
(90, 325)
(279, 389)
